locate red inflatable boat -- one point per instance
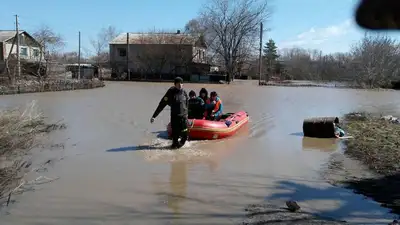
(209, 130)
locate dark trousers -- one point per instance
(199, 114)
(179, 127)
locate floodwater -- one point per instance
(115, 168)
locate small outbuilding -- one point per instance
(87, 71)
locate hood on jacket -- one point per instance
(203, 90)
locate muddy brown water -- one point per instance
(116, 170)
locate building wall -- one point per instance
(25, 52)
(29, 49)
(154, 57)
(199, 55)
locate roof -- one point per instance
(156, 38)
(5, 35)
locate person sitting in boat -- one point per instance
(203, 94)
(339, 132)
(196, 106)
(214, 107)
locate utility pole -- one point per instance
(127, 56)
(260, 56)
(65, 68)
(79, 57)
(17, 37)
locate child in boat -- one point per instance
(214, 107)
(196, 106)
(203, 94)
(338, 131)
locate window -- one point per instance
(24, 51)
(36, 52)
(198, 55)
(122, 52)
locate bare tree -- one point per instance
(194, 27)
(234, 27)
(298, 63)
(100, 45)
(312, 64)
(197, 27)
(70, 57)
(50, 44)
(376, 60)
(372, 62)
(50, 41)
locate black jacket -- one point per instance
(196, 108)
(177, 100)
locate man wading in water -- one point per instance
(177, 98)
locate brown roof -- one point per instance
(8, 34)
(156, 38)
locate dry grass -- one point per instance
(257, 214)
(376, 142)
(18, 131)
(48, 85)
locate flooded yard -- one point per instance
(115, 168)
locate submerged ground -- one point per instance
(114, 167)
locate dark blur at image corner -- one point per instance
(378, 15)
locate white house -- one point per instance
(29, 48)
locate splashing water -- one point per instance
(159, 149)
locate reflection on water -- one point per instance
(178, 185)
(112, 156)
(320, 144)
(212, 165)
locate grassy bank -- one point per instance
(31, 86)
(376, 143)
(19, 129)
